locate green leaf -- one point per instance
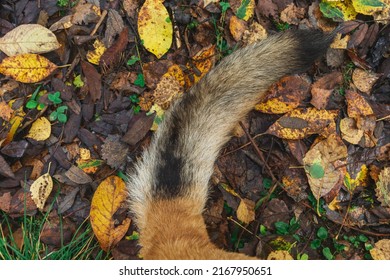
(224, 6)
(62, 109)
(53, 116)
(316, 171)
(140, 81)
(282, 228)
(40, 106)
(62, 118)
(322, 233)
(267, 183)
(133, 59)
(241, 11)
(315, 244)
(327, 253)
(303, 257)
(121, 175)
(263, 230)
(133, 236)
(134, 98)
(31, 104)
(330, 11)
(362, 238)
(136, 109)
(78, 82)
(55, 97)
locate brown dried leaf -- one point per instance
(246, 211)
(349, 131)
(77, 175)
(113, 151)
(138, 128)
(323, 88)
(357, 105)
(5, 202)
(237, 27)
(5, 169)
(114, 53)
(93, 80)
(5, 111)
(292, 14)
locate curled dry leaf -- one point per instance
(41, 189)
(27, 68)
(28, 38)
(108, 197)
(40, 129)
(349, 131)
(155, 27)
(301, 123)
(381, 250)
(383, 187)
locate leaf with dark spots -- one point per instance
(93, 79)
(5, 169)
(113, 54)
(15, 149)
(139, 126)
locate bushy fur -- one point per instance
(169, 187)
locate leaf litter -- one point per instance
(324, 135)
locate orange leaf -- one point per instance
(27, 68)
(108, 197)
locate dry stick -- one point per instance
(102, 17)
(244, 228)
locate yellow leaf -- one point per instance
(203, 61)
(368, 7)
(301, 123)
(237, 27)
(27, 68)
(340, 43)
(381, 250)
(167, 90)
(280, 255)
(85, 154)
(246, 9)
(246, 211)
(40, 129)
(28, 38)
(108, 197)
(158, 117)
(349, 131)
(155, 27)
(357, 105)
(41, 189)
(360, 179)
(94, 56)
(230, 190)
(15, 123)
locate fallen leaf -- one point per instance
(94, 55)
(5, 111)
(285, 95)
(41, 189)
(28, 38)
(243, 9)
(383, 187)
(368, 7)
(364, 80)
(113, 54)
(167, 90)
(381, 250)
(340, 43)
(155, 27)
(280, 255)
(86, 13)
(321, 164)
(15, 149)
(360, 180)
(350, 132)
(27, 68)
(5, 201)
(77, 175)
(246, 211)
(292, 14)
(301, 123)
(40, 129)
(113, 151)
(237, 27)
(107, 199)
(203, 61)
(323, 88)
(256, 32)
(357, 105)
(93, 80)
